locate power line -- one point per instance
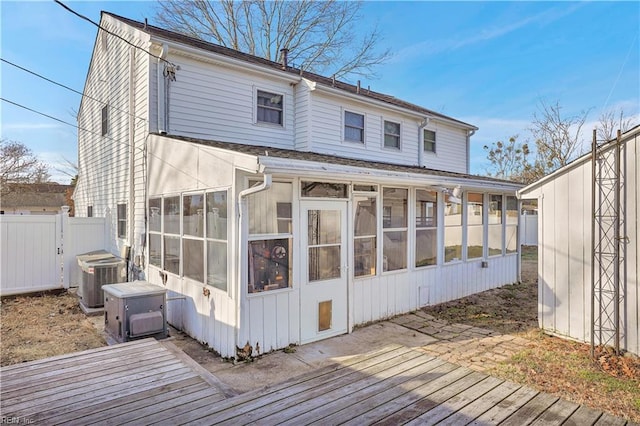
(69, 88)
(81, 16)
(65, 122)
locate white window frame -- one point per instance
(384, 230)
(344, 126)
(398, 135)
(434, 142)
(121, 218)
(256, 91)
(426, 227)
(104, 121)
(376, 195)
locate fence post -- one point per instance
(64, 225)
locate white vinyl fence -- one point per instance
(38, 252)
(529, 229)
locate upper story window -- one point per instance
(391, 134)
(269, 108)
(353, 127)
(122, 220)
(429, 141)
(105, 121)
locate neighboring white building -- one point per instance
(565, 254)
(279, 206)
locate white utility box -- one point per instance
(134, 310)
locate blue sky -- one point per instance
(486, 63)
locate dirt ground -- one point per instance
(40, 326)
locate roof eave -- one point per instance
(306, 168)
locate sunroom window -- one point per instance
(394, 221)
(270, 238)
(426, 227)
(511, 214)
(192, 239)
(475, 227)
(452, 229)
(365, 234)
(494, 220)
(217, 228)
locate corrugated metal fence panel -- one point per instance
(29, 258)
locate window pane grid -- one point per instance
(426, 227)
(391, 134)
(269, 108)
(353, 126)
(394, 223)
(429, 141)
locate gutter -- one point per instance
(265, 185)
(132, 141)
(421, 127)
(311, 169)
(180, 49)
(162, 91)
(469, 134)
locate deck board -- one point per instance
(149, 382)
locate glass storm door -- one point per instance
(323, 296)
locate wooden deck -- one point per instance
(146, 383)
(136, 382)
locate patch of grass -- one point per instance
(565, 368)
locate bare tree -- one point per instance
(509, 160)
(320, 35)
(18, 166)
(610, 122)
(558, 138)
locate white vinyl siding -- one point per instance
(104, 161)
(221, 105)
(328, 132)
(451, 149)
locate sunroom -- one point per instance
(275, 247)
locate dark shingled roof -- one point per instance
(34, 195)
(258, 150)
(326, 81)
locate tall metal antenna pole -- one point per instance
(593, 242)
(617, 242)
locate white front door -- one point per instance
(323, 292)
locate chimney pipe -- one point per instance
(285, 53)
(358, 88)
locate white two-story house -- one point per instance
(277, 206)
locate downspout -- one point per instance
(132, 141)
(161, 89)
(265, 185)
(421, 127)
(469, 134)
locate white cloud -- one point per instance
(433, 47)
(30, 126)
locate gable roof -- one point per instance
(325, 81)
(265, 152)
